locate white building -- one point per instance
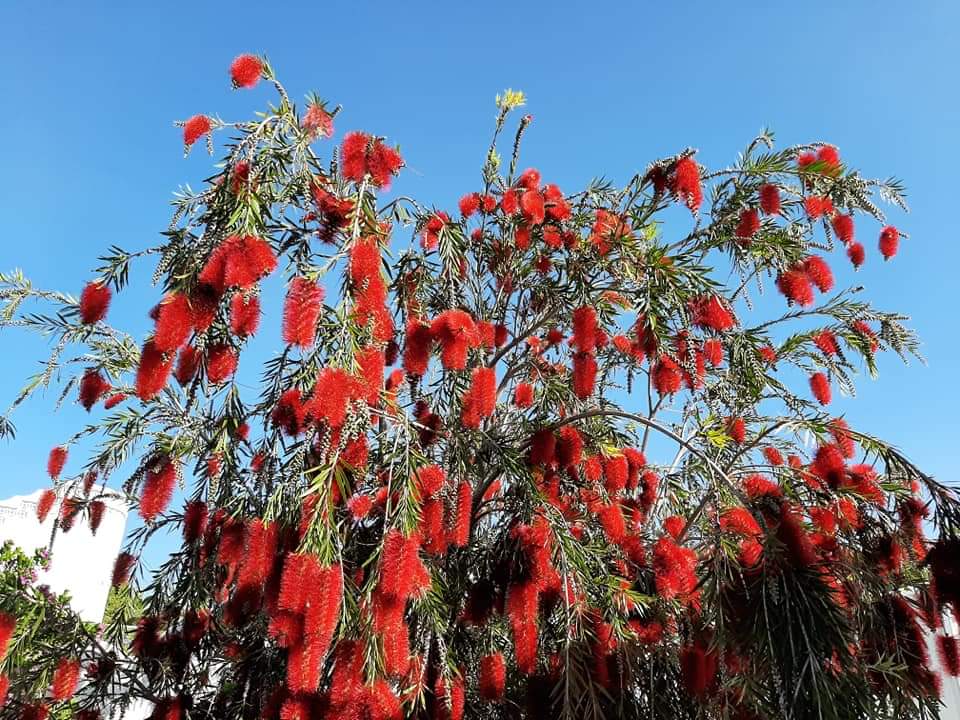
(80, 561)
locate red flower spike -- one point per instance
(493, 675)
(301, 310)
(188, 361)
(195, 128)
(96, 510)
(820, 387)
(66, 676)
(244, 315)
(8, 624)
(460, 531)
(153, 372)
(317, 122)
(584, 374)
(121, 569)
(194, 521)
(843, 228)
(523, 395)
(56, 460)
(819, 272)
(94, 302)
(748, 224)
(93, 386)
(770, 199)
(45, 504)
(221, 363)
(174, 323)
(480, 399)
(685, 183)
(889, 241)
(245, 71)
(331, 394)
(666, 376)
(158, 489)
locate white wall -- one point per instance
(81, 562)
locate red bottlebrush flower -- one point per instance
(843, 227)
(365, 260)
(317, 122)
(584, 374)
(431, 527)
(290, 412)
(739, 521)
(674, 569)
(460, 530)
(372, 365)
(66, 676)
(245, 71)
(569, 450)
(195, 128)
(56, 460)
(510, 203)
(301, 309)
(360, 505)
(8, 624)
(585, 329)
(748, 224)
(531, 205)
(45, 504)
(221, 363)
(612, 522)
(431, 231)
(480, 400)
(194, 521)
(685, 183)
(187, 364)
(399, 565)
(353, 155)
(666, 376)
(469, 204)
(826, 341)
(773, 456)
(158, 488)
(430, 479)
(698, 668)
(713, 351)
(820, 387)
(819, 272)
(770, 199)
(416, 351)
(244, 315)
(521, 608)
(711, 312)
(948, 650)
(889, 241)
(260, 545)
(817, 206)
(616, 473)
(96, 510)
(114, 400)
(857, 254)
(737, 430)
(500, 335)
(796, 286)
(523, 395)
(493, 676)
(383, 163)
(238, 261)
(331, 394)
(456, 333)
(121, 569)
(4, 687)
(174, 323)
(830, 157)
(153, 371)
(757, 486)
(543, 447)
(94, 302)
(673, 526)
(768, 354)
(529, 179)
(93, 386)
(795, 538)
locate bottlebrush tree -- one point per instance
(542, 455)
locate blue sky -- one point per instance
(90, 158)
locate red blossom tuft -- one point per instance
(153, 371)
(158, 488)
(301, 310)
(469, 204)
(674, 569)
(66, 676)
(416, 352)
(758, 486)
(121, 569)
(711, 312)
(584, 374)
(221, 363)
(820, 387)
(739, 521)
(360, 505)
(770, 199)
(331, 394)
(857, 254)
(187, 364)
(585, 329)
(94, 302)
(174, 323)
(889, 241)
(56, 460)
(948, 649)
(685, 183)
(543, 447)
(737, 430)
(195, 128)
(666, 376)
(796, 286)
(8, 624)
(244, 315)
(773, 456)
(523, 395)
(93, 386)
(748, 224)
(843, 227)
(713, 351)
(459, 532)
(493, 673)
(194, 521)
(245, 71)
(238, 261)
(698, 668)
(317, 122)
(457, 333)
(372, 365)
(819, 272)
(45, 504)
(480, 399)
(96, 510)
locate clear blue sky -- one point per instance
(89, 92)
